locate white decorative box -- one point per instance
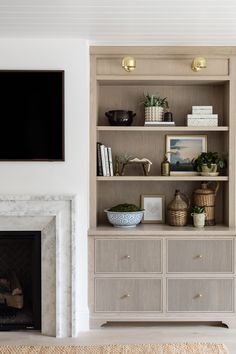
(202, 122)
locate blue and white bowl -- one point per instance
(123, 219)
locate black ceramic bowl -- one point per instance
(120, 117)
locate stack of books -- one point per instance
(202, 116)
(104, 160)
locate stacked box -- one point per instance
(202, 116)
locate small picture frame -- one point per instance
(154, 208)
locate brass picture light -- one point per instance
(128, 63)
(198, 63)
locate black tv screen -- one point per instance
(32, 115)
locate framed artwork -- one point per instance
(181, 150)
(154, 209)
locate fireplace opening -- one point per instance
(20, 280)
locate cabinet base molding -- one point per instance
(230, 323)
(96, 324)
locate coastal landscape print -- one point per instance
(182, 149)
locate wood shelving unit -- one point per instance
(155, 272)
(112, 88)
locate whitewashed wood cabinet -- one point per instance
(161, 279)
(158, 272)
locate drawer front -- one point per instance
(196, 256)
(200, 295)
(128, 295)
(128, 256)
(159, 66)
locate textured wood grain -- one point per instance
(200, 295)
(124, 295)
(197, 256)
(128, 256)
(112, 193)
(181, 98)
(159, 66)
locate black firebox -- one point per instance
(20, 280)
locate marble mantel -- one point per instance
(55, 217)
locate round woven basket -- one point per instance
(177, 210)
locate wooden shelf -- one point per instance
(162, 230)
(161, 129)
(161, 178)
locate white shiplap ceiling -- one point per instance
(121, 22)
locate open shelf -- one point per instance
(162, 230)
(162, 129)
(163, 178)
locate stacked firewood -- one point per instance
(11, 293)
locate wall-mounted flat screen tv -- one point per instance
(31, 115)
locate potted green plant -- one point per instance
(209, 163)
(124, 215)
(154, 107)
(199, 216)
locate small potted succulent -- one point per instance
(199, 216)
(154, 107)
(209, 164)
(124, 215)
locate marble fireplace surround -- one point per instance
(55, 217)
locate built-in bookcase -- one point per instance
(156, 272)
(113, 88)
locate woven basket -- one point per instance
(205, 196)
(177, 210)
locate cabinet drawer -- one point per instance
(124, 295)
(200, 295)
(161, 66)
(129, 256)
(196, 256)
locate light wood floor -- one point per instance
(127, 334)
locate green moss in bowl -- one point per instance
(125, 208)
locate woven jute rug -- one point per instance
(184, 348)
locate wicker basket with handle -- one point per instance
(205, 196)
(177, 210)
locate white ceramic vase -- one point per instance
(154, 114)
(212, 169)
(198, 219)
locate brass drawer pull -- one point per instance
(199, 295)
(199, 256)
(125, 296)
(127, 256)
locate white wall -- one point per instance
(71, 176)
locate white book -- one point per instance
(110, 162)
(104, 172)
(203, 116)
(159, 123)
(202, 109)
(107, 162)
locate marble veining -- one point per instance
(55, 217)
